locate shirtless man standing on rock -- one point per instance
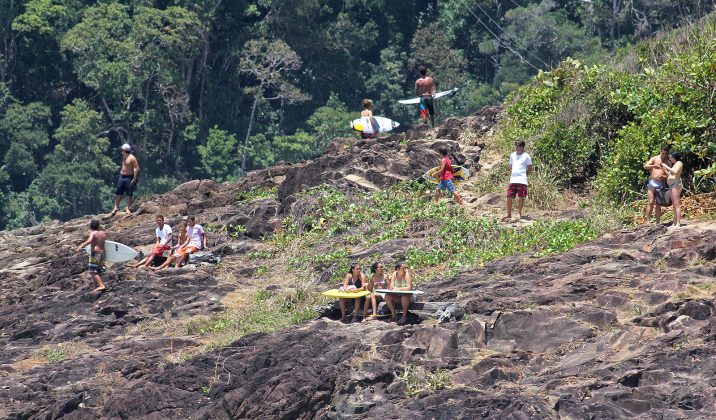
(128, 177)
(95, 267)
(425, 90)
(656, 180)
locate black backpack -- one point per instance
(662, 196)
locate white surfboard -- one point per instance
(400, 292)
(116, 252)
(438, 95)
(384, 125)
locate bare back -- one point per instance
(129, 164)
(98, 238)
(425, 86)
(366, 113)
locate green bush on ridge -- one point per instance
(600, 123)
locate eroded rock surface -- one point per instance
(621, 327)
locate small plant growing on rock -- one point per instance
(418, 380)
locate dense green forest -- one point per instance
(215, 88)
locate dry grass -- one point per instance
(54, 353)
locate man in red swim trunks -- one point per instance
(521, 166)
(425, 90)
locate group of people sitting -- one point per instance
(191, 239)
(356, 281)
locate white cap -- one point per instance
(126, 147)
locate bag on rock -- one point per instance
(204, 257)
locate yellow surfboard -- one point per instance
(335, 293)
(460, 174)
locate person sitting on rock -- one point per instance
(195, 241)
(400, 280)
(96, 241)
(354, 281)
(181, 239)
(163, 234)
(378, 281)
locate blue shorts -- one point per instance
(654, 185)
(124, 185)
(446, 185)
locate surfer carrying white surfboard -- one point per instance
(425, 89)
(95, 266)
(368, 112)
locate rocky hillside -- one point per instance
(622, 326)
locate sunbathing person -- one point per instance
(354, 281)
(378, 281)
(400, 280)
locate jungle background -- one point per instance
(213, 89)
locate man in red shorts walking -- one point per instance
(520, 166)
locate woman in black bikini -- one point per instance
(354, 281)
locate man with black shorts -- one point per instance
(425, 90)
(520, 166)
(128, 177)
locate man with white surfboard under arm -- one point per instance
(425, 90)
(95, 266)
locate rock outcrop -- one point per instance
(624, 326)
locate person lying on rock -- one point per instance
(195, 241)
(400, 280)
(354, 281)
(378, 281)
(163, 233)
(95, 267)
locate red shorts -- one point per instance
(159, 250)
(519, 190)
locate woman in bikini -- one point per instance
(354, 281)
(378, 281)
(400, 280)
(675, 184)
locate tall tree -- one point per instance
(269, 62)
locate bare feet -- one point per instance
(370, 318)
(506, 219)
(402, 321)
(99, 289)
(114, 211)
(127, 211)
(519, 217)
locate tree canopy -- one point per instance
(215, 88)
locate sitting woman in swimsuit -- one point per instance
(400, 280)
(378, 281)
(354, 281)
(675, 184)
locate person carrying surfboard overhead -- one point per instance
(368, 112)
(95, 266)
(128, 178)
(425, 90)
(446, 175)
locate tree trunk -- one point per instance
(248, 132)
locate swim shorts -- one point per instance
(426, 106)
(654, 184)
(159, 250)
(189, 249)
(519, 190)
(96, 263)
(446, 185)
(124, 185)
